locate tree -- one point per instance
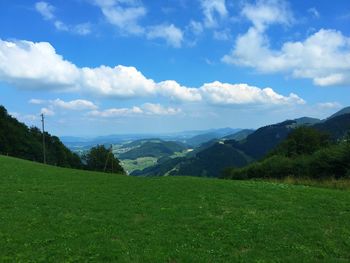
(103, 160)
(303, 140)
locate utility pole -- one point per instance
(43, 128)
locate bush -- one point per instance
(101, 159)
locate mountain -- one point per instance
(307, 121)
(211, 158)
(17, 140)
(337, 126)
(151, 148)
(208, 163)
(264, 139)
(238, 136)
(341, 112)
(188, 137)
(205, 137)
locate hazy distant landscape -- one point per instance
(174, 131)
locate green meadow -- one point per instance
(51, 214)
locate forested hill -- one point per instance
(17, 140)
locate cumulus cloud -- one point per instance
(51, 106)
(120, 81)
(170, 33)
(267, 12)
(238, 94)
(157, 109)
(36, 65)
(323, 57)
(145, 109)
(73, 105)
(116, 112)
(175, 91)
(47, 11)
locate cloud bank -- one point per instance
(29, 65)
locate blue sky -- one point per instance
(97, 67)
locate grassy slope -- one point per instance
(53, 214)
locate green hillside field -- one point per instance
(50, 214)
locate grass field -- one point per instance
(50, 214)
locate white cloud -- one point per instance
(145, 109)
(123, 14)
(195, 27)
(116, 112)
(46, 10)
(36, 65)
(126, 15)
(120, 81)
(329, 105)
(213, 10)
(53, 105)
(170, 33)
(82, 29)
(314, 12)
(36, 101)
(268, 12)
(323, 57)
(27, 118)
(175, 91)
(47, 112)
(238, 94)
(157, 109)
(73, 105)
(222, 35)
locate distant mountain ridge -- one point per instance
(341, 112)
(216, 155)
(185, 137)
(152, 148)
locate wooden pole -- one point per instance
(43, 128)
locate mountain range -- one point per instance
(211, 158)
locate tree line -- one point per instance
(18, 140)
(306, 153)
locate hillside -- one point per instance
(337, 126)
(213, 157)
(199, 139)
(151, 148)
(238, 136)
(341, 112)
(54, 214)
(16, 139)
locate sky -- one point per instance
(99, 67)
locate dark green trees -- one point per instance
(305, 153)
(303, 140)
(17, 140)
(101, 159)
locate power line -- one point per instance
(43, 128)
